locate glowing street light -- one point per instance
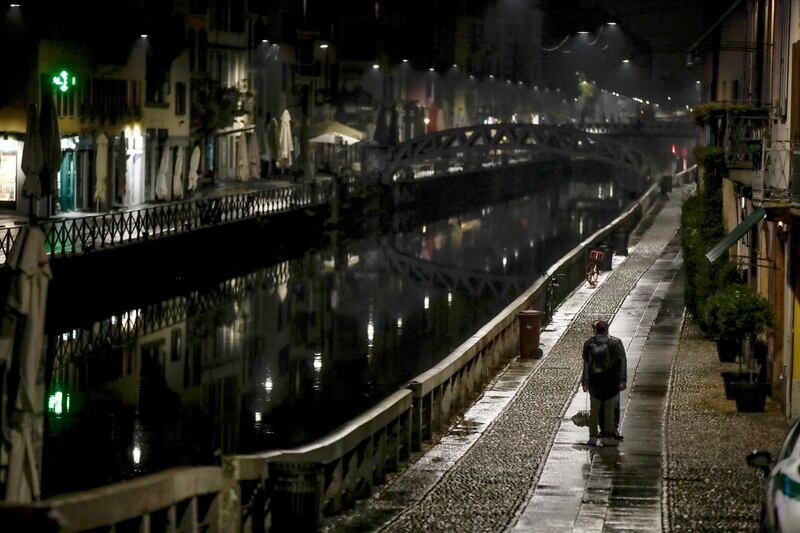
(611, 23)
(143, 36)
(626, 60)
(323, 46)
(405, 61)
(431, 69)
(375, 66)
(264, 40)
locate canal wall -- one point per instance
(288, 489)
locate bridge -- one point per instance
(667, 128)
(484, 146)
(452, 278)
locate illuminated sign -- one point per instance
(64, 81)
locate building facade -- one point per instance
(750, 64)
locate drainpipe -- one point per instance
(760, 46)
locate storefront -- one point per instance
(11, 176)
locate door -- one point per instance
(66, 182)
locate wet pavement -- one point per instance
(584, 488)
(515, 460)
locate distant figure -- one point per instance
(604, 376)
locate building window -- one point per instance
(180, 98)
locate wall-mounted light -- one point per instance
(323, 46)
(13, 5)
(626, 60)
(264, 41)
(375, 66)
(431, 69)
(405, 61)
(143, 36)
(611, 23)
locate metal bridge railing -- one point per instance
(71, 236)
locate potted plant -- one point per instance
(721, 317)
(736, 314)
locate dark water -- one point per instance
(289, 352)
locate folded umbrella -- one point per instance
(32, 156)
(194, 165)
(51, 144)
(101, 168)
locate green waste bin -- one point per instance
(621, 241)
(608, 256)
(296, 495)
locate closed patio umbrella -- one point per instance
(254, 155)
(177, 175)
(121, 164)
(194, 165)
(285, 142)
(101, 168)
(21, 344)
(242, 161)
(273, 139)
(32, 156)
(162, 183)
(51, 144)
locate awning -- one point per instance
(332, 132)
(738, 232)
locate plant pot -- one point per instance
(730, 377)
(728, 350)
(750, 397)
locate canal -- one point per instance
(283, 354)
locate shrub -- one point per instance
(736, 312)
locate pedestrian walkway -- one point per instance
(589, 489)
(499, 466)
(214, 190)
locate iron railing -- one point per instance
(80, 235)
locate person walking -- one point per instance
(604, 376)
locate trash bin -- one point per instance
(608, 256)
(296, 495)
(621, 241)
(666, 184)
(530, 325)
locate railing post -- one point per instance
(228, 502)
(416, 414)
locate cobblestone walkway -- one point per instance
(485, 488)
(587, 489)
(708, 485)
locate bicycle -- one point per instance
(594, 258)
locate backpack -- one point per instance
(599, 357)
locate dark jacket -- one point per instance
(605, 386)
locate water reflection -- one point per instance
(287, 353)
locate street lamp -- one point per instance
(323, 46)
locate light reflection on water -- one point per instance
(285, 354)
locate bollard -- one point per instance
(621, 241)
(530, 325)
(296, 495)
(608, 256)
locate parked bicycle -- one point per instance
(593, 260)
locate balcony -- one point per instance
(743, 143)
(776, 184)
